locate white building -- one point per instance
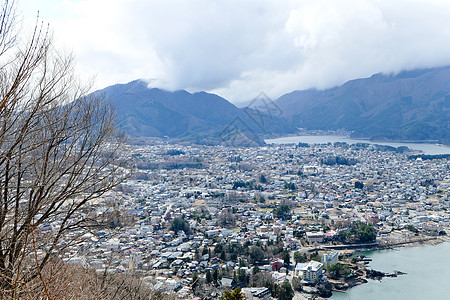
(330, 258)
(112, 244)
(309, 271)
(315, 237)
(256, 293)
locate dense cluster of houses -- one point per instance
(198, 185)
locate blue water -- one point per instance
(428, 277)
(323, 139)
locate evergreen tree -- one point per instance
(209, 278)
(262, 179)
(236, 294)
(287, 258)
(215, 275)
(286, 292)
(180, 224)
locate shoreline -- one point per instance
(421, 263)
(343, 285)
(361, 139)
(361, 272)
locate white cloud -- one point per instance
(239, 48)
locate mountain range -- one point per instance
(197, 117)
(412, 105)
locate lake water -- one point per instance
(428, 277)
(323, 139)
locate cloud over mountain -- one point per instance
(239, 48)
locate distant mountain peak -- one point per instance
(199, 117)
(410, 105)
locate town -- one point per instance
(194, 221)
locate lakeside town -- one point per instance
(278, 221)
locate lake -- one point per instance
(426, 148)
(428, 274)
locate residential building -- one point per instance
(314, 237)
(310, 271)
(256, 293)
(330, 258)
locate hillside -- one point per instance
(198, 117)
(413, 105)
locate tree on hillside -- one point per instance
(262, 179)
(297, 284)
(256, 254)
(236, 294)
(299, 257)
(359, 233)
(58, 151)
(286, 292)
(290, 186)
(286, 258)
(359, 185)
(226, 218)
(282, 212)
(338, 270)
(180, 224)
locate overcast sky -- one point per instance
(239, 48)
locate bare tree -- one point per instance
(58, 150)
(64, 281)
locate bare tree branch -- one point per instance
(58, 149)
